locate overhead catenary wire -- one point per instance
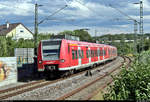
(121, 12)
(135, 25)
(47, 18)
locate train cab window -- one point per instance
(73, 54)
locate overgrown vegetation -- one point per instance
(7, 45)
(82, 34)
(134, 83)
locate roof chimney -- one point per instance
(7, 24)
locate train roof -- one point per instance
(80, 42)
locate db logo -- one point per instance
(50, 62)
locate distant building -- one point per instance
(16, 31)
(120, 41)
(147, 37)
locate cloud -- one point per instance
(95, 14)
(16, 8)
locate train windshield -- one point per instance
(51, 50)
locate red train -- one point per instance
(59, 56)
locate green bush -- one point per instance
(134, 83)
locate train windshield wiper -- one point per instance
(51, 54)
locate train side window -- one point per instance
(101, 52)
(76, 54)
(91, 53)
(98, 52)
(82, 54)
(87, 54)
(104, 52)
(73, 54)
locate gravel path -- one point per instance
(53, 91)
(11, 85)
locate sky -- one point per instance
(96, 15)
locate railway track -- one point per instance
(4, 94)
(90, 96)
(84, 87)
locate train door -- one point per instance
(74, 56)
(89, 51)
(79, 56)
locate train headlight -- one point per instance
(40, 62)
(62, 60)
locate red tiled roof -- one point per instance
(4, 31)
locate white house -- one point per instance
(16, 31)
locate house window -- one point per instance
(21, 31)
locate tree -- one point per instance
(68, 32)
(84, 35)
(3, 46)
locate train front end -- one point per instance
(48, 55)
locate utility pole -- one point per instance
(36, 27)
(37, 23)
(141, 23)
(95, 35)
(135, 25)
(135, 35)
